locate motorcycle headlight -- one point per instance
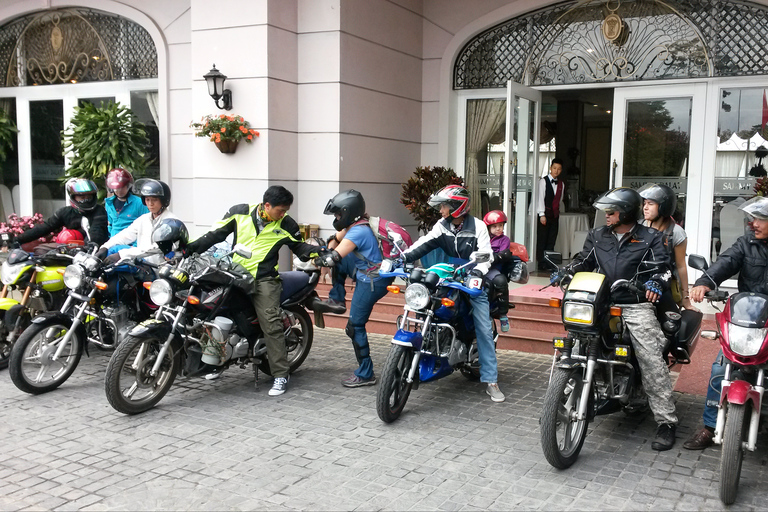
(745, 341)
(578, 313)
(417, 296)
(161, 292)
(73, 276)
(10, 273)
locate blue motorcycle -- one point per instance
(436, 334)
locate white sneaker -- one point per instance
(279, 386)
(494, 392)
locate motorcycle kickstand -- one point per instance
(256, 375)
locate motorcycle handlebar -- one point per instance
(716, 296)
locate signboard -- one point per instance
(676, 183)
(744, 187)
(490, 181)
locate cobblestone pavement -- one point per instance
(226, 445)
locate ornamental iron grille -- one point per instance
(74, 45)
(592, 41)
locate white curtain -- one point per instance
(484, 118)
(152, 101)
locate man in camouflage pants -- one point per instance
(617, 250)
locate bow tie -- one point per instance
(553, 180)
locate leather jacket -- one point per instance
(621, 260)
(70, 218)
(749, 257)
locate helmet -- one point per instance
(494, 217)
(350, 204)
(81, 186)
(455, 196)
(756, 207)
(662, 195)
(147, 187)
(169, 231)
(69, 236)
(624, 200)
(118, 178)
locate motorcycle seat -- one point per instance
(293, 281)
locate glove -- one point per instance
(502, 256)
(476, 273)
(327, 258)
(102, 252)
(653, 286)
(554, 278)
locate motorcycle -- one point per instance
(39, 276)
(103, 303)
(597, 371)
(742, 328)
(205, 323)
(436, 333)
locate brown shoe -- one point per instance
(700, 439)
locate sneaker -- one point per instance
(494, 392)
(328, 306)
(355, 382)
(504, 321)
(279, 386)
(215, 374)
(702, 438)
(665, 437)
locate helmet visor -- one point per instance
(756, 207)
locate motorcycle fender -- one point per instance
(152, 328)
(7, 303)
(739, 392)
(407, 339)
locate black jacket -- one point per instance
(749, 257)
(603, 252)
(69, 217)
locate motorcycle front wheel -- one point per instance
(299, 333)
(130, 387)
(31, 365)
(732, 455)
(394, 389)
(562, 435)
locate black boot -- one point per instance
(665, 437)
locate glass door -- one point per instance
(658, 137)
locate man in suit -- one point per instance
(548, 210)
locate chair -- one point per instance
(731, 224)
(6, 203)
(577, 242)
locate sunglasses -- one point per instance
(609, 212)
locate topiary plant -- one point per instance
(416, 191)
(102, 138)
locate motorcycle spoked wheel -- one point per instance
(562, 436)
(732, 455)
(130, 387)
(471, 370)
(298, 340)
(394, 389)
(31, 365)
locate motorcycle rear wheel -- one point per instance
(562, 436)
(298, 340)
(129, 386)
(31, 366)
(732, 455)
(394, 389)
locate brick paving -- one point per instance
(226, 445)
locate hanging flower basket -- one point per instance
(225, 131)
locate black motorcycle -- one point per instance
(205, 324)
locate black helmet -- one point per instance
(87, 188)
(147, 187)
(350, 204)
(624, 200)
(756, 207)
(455, 196)
(662, 195)
(169, 231)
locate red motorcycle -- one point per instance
(742, 328)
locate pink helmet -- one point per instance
(118, 178)
(494, 217)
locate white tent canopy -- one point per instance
(736, 156)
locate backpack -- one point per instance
(383, 229)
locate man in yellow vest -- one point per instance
(264, 228)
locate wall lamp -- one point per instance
(215, 80)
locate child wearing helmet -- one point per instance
(156, 196)
(123, 206)
(495, 220)
(83, 203)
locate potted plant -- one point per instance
(102, 138)
(225, 131)
(16, 225)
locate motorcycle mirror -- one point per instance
(697, 262)
(242, 251)
(480, 257)
(397, 241)
(86, 225)
(650, 265)
(553, 257)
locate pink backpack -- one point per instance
(383, 229)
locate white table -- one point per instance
(569, 224)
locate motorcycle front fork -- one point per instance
(754, 418)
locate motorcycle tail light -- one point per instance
(554, 302)
(393, 288)
(100, 285)
(615, 311)
(447, 303)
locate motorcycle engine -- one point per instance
(120, 315)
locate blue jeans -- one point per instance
(344, 269)
(481, 314)
(713, 391)
(363, 300)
